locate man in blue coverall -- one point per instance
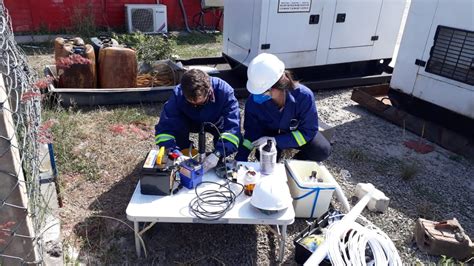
(198, 101)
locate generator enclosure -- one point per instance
(435, 61)
(305, 33)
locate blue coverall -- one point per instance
(296, 126)
(179, 118)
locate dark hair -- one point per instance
(286, 82)
(195, 83)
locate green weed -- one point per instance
(448, 261)
(409, 170)
(426, 210)
(357, 155)
(149, 47)
(195, 38)
(83, 20)
(191, 45)
(456, 158)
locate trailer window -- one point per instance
(452, 54)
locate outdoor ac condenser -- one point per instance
(146, 18)
(435, 61)
(307, 33)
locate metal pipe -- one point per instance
(202, 144)
(183, 11)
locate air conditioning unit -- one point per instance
(212, 4)
(146, 18)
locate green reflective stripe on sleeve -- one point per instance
(298, 137)
(247, 144)
(231, 138)
(163, 137)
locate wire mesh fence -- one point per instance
(21, 204)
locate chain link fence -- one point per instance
(22, 208)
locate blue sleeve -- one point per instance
(308, 126)
(171, 121)
(253, 130)
(231, 113)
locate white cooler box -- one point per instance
(310, 199)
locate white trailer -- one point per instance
(307, 33)
(435, 62)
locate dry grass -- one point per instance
(97, 151)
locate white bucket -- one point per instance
(310, 198)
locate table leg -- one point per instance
(137, 239)
(282, 242)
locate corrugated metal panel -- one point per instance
(31, 15)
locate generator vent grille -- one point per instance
(452, 54)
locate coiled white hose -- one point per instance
(349, 248)
(346, 241)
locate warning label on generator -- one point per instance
(294, 6)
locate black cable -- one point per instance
(242, 62)
(212, 204)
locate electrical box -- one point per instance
(146, 18)
(212, 4)
(305, 33)
(435, 62)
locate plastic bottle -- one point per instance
(268, 156)
(249, 181)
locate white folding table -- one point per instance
(175, 209)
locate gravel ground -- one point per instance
(437, 185)
(440, 186)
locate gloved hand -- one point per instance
(263, 140)
(181, 159)
(210, 162)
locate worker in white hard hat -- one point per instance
(282, 110)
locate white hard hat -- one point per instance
(271, 195)
(263, 71)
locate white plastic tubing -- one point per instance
(357, 237)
